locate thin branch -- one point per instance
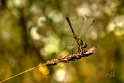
(52, 62)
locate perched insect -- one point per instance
(78, 38)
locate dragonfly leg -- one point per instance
(83, 46)
(79, 48)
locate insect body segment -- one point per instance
(69, 22)
(81, 44)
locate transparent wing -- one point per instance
(76, 23)
(70, 42)
(86, 26)
(81, 24)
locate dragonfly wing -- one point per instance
(76, 22)
(81, 24)
(70, 42)
(86, 25)
(71, 45)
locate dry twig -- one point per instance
(52, 62)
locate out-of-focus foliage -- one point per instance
(34, 31)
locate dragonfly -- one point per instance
(78, 38)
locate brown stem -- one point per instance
(52, 62)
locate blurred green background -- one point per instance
(34, 31)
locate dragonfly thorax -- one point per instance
(81, 44)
